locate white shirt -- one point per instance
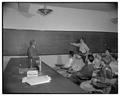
(97, 62)
(77, 64)
(69, 63)
(83, 47)
(114, 66)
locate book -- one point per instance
(35, 80)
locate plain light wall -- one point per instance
(68, 19)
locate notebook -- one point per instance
(35, 80)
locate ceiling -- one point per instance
(99, 6)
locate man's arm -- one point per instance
(75, 44)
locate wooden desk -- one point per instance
(12, 80)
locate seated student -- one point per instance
(62, 69)
(107, 56)
(85, 73)
(111, 60)
(32, 53)
(104, 79)
(114, 65)
(70, 61)
(97, 60)
(73, 64)
(101, 80)
(77, 65)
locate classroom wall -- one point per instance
(65, 19)
(16, 42)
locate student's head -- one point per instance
(32, 42)
(90, 57)
(107, 51)
(81, 40)
(71, 53)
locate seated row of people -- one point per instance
(94, 74)
(101, 80)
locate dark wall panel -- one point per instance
(16, 42)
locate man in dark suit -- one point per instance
(32, 53)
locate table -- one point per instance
(12, 80)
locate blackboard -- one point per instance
(16, 42)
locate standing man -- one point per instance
(83, 48)
(32, 52)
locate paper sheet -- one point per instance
(35, 80)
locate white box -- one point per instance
(31, 73)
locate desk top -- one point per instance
(12, 80)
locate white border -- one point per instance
(55, 1)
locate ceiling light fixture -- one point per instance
(44, 11)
